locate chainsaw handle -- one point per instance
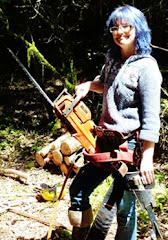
(69, 109)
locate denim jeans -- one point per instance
(126, 217)
(83, 185)
(88, 178)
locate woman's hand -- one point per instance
(83, 89)
(96, 86)
(146, 166)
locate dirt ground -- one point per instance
(23, 196)
(19, 196)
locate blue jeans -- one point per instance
(126, 217)
(88, 178)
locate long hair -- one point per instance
(136, 19)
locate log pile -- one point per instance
(61, 152)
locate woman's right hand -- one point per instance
(83, 89)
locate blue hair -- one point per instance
(137, 19)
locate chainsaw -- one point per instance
(76, 118)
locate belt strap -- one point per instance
(120, 154)
(115, 156)
(111, 134)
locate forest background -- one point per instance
(63, 43)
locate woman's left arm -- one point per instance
(149, 89)
(146, 165)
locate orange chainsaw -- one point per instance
(76, 117)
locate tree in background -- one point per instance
(68, 39)
(72, 30)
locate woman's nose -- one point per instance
(120, 30)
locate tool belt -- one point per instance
(116, 153)
(113, 136)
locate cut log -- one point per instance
(64, 168)
(39, 159)
(42, 156)
(53, 145)
(70, 145)
(57, 143)
(49, 158)
(69, 159)
(77, 164)
(44, 151)
(57, 157)
(76, 169)
(42, 161)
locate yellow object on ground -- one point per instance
(52, 195)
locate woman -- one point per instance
(130, 83)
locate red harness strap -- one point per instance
(120, 154)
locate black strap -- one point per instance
(154, 222)
(105, 215)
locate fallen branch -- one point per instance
(19, 195)
(13, 171)
(38, 219)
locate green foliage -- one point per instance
(143, 217)
(164, 106)
(54, 126)
(61, 234)
(30, 165)
(19, 145)
(165, 220)
(3, 144)
(160, 193)
(5, 1)
(32, 51)
(159, 177)
(98, 194)
(4, 19)
(70, 80)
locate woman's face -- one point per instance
(123, 34)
